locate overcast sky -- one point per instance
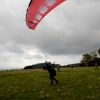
(63, 36)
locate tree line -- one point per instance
(90, 59)
(39, 65)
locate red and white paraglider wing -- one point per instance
(37, 9)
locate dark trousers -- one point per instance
(52, 78)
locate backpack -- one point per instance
(53, 72)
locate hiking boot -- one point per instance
(51, 83)
(57, 82)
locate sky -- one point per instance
(62, 37)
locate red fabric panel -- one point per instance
(37, 9)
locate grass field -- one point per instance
(74, 84)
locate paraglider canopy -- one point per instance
(37, 9)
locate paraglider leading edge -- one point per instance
(38, 9)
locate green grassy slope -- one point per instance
(74, 84)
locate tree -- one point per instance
(86, 57)
(94, 55)
(99, 52)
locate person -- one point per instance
(96, 66)
(52, 73)
(44, 68)
(72, 66)
(58, 67)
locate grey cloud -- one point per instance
(34, 57)
(72, 28)
(14, 48)
(94, 0)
